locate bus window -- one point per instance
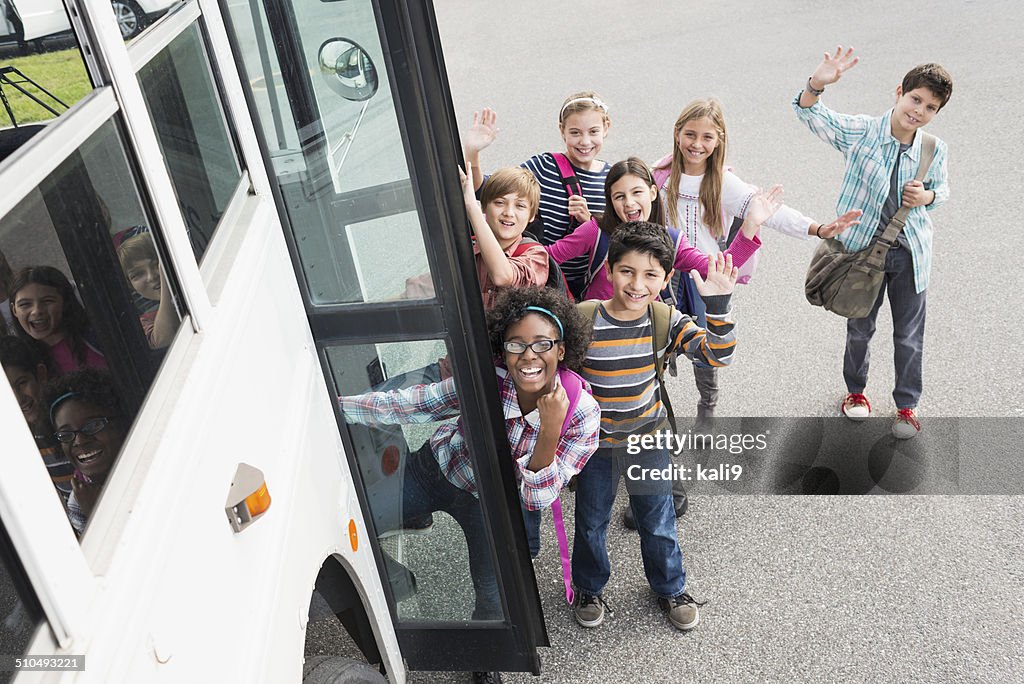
(91, 308)
(193, 133)
(337, 154)
(46, 79)
(409, 473)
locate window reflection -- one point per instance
(325, 105)
(447, 574)
(193, 133)
(42, 72)
(88, 309)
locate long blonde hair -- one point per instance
(714, 168)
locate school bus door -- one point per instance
(357, 125)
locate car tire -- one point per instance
(130, 18)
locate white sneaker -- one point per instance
(906, 424)
(855, 406)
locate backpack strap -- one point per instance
(598, 254)
(569, 179)
(662, 170)
(525, 244)
(661, 321)
(573, 385)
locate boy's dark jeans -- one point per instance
(655, 518)
(908, 314)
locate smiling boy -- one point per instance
(508, 202)
(620, 366)
(882, 158)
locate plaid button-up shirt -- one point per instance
(430, 403)
(871, 152)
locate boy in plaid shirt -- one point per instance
(882, 156)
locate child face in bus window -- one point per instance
(144, 275)
(28, 390)
(92, 455)
(39, 310)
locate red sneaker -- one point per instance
(906, 424)
(855, 406)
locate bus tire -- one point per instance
(338, 670)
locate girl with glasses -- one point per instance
(538, 339)
(88, 421)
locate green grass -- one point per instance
(61, 72)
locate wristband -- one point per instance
(817, 231)
(812, 90)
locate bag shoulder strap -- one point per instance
(574, 389)
(661, 321)
(569, 179)
(884, 243)
(524, 245)
(598, 253)
(662, 170)
(589, 310)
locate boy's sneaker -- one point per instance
(906, 424)
(589, 610)
(855, 406)
(682, 610)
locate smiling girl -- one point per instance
(633, 195)
(47, 312)
(703, 198)
(90, 424)
(583, 124)
(538, 338)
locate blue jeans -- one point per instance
(427, 490)
(655, 520)
(908, 309)
(531, 519)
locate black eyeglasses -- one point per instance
(539, 347)
(89, 429)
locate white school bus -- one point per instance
(292, 165)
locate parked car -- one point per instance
(32, 20)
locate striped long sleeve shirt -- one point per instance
(871, 155)
(620, 364)
(439, 401)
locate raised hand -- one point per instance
(721, 276)
(832, 67)
(830, 230)
(578, 208)
(483, 131)
(763, 205)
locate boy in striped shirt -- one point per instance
(620, 367)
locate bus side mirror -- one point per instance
(349, 71)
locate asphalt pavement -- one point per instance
(924, 586)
